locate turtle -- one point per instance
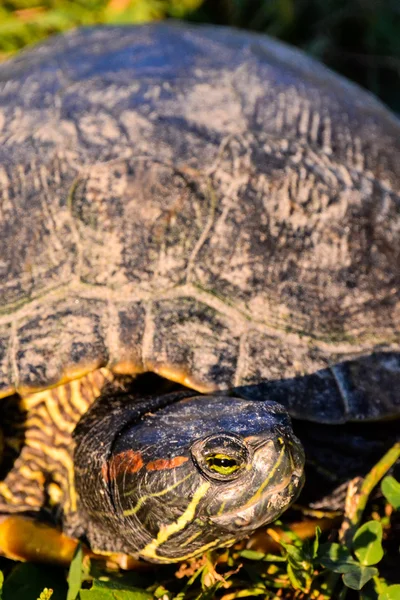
(200, 241)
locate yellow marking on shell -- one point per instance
(142, 500)
(76, 372)
(127, 367)
(8, 391)
(181, 376)
(166, 531)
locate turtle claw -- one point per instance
(22, 538)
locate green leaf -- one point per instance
(307, 550)
(367, 543)
(336, 557)
(160, 592)
(110, 590)
(391, 593)
(298, 578)
(75, 574)
(252, 554)
(255, 555)
(1, 584)
(275, 558)
(26, 582)
(391, 490)
(96, 595)
(296, 557)
(316, 542)
(358, 576)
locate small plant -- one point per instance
(46, 594)
(315, 569)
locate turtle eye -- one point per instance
(222, 456)
(222, 463)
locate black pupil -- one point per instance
(222, 462)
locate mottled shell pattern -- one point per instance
(203, 203)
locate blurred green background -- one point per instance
(359, 38)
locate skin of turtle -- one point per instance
(213, 207)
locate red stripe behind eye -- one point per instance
(123, 462)
(166, 463)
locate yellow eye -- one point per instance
(222, 464)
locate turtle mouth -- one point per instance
(284, 486)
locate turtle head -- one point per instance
(196, 474)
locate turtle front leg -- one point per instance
(22, 538)
(38, 470)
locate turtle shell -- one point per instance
(203, 203)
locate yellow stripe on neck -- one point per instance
(166, 531)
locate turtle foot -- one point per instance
(22, 538)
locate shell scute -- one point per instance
(196, 337)
(138, 222)
(58, 340)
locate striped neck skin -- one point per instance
(168, 477)
(37, 467)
